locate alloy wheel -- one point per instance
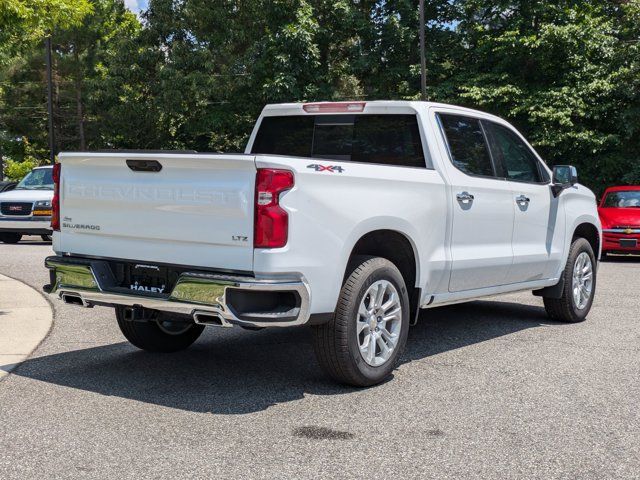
(379, 323)
(582, 284)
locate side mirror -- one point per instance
(564, 176)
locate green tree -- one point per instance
(78, 49)
(562, 72)
(26, 21)
(23, 26)
(200, 72)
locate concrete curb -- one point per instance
(25, 320)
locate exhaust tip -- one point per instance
(210, 319)
(73, 299)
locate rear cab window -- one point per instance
(388, 139)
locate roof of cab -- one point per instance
(374, 103)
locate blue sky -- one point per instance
(136, 5)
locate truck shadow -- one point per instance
(237, 372)
(621, 259)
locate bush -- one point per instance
(633, 176)
(16, 171)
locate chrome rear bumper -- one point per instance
(85, 282)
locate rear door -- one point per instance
(183, 209)
(483, 208)
(538, 233)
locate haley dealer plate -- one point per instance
(145, 278)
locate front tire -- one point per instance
(156, 335)
(10, 237)
(579, 278)
(364, 341)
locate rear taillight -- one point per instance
(55, 203)
(271, 220)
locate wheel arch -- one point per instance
(396, 247)
(590, 233)
(583, 229)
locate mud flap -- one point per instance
(555, 291)
(414, 306)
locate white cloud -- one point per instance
(136, 5)
(132, 5)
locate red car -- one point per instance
(620, 216)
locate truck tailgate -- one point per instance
(196, 210)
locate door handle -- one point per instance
(523, 200)
(465, 198)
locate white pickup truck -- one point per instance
(349, 217)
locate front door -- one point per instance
(537, 239)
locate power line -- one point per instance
(423, 59)
(52, 155)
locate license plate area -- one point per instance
(138, 278)
(628, 242)
(147, 279)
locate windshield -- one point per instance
(624, 199)
(39, 179)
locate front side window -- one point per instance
(518, 161)
(623, 199)
(379, 139)
(38, 179)
(467, 144)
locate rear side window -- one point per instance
(467, 144)
(380, 139)
(285, 136)
(518, 161)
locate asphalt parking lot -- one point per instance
(491, 389)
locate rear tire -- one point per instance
(10, 237)
(373, 303)
(579, 278)
(46, 238)
(154, 336)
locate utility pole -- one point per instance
(52, 141)
(423, 58)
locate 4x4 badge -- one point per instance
(326, 168)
